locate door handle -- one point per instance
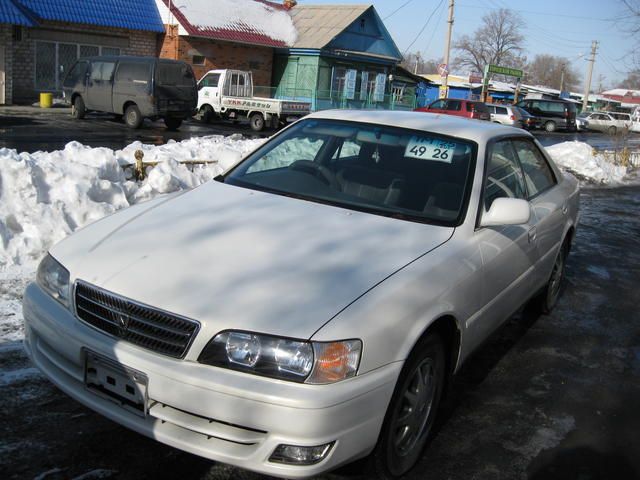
(565, 209)
(532, 234)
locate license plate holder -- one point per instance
(118, 383)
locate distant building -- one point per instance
(629, 99)
(41, 39)
(238, 34)
(342, 57)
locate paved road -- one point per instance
(31, 129)
(547, 398)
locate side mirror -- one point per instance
(507, 211)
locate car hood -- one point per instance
(231, 257)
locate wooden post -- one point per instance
(138, 171)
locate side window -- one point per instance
(440, 105)
(133, 72)
(453, 105)
(502, 110)
(76, 75)
(348, 149)
(102, 71)
(537, 172)
(504, 175)
(210, 80)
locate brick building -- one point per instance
(41, 39)
(239, 34)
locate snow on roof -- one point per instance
(256, 22)
(622, 92)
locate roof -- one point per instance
(255, 22)
(479, 131)
(13, 13)
(318, 25)
(622, 92)
(129, 14)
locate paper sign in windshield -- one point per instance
(426, 148)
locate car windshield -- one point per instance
(411, 174)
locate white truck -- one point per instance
(228, 94)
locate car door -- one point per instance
(548, 204)
(209, 90)
(439, 106)
(508, 252)
(100, 86)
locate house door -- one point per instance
(2, 77)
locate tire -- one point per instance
(172, 123)
(256, 120)
(412, 410)
(207, 114)
(612, 130)
(548, 298)
(133, 117)
(78, 110)
(550, 127)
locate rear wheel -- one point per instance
(256, 120)
(133, 117)
(412, 411)
(548, 298)
(550, 126)
(78, 109)
(172, 123)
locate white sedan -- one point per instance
(308, 307)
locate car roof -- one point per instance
(134, 58)
(479, 131)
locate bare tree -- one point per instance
(632, 82)
(631, 24)
(498, 41)
(414, 62)
(552, 71)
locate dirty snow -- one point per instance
(45, 196)
(580, 159)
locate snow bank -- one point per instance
(45, 196)
(580, 159)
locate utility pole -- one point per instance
(447, 45)
(562, 77)
(587, 85)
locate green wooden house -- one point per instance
(343, 57)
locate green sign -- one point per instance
(511, 72)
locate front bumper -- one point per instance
(227, 416)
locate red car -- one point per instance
(458, 107)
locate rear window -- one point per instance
(174, 74)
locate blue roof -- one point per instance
(12, 13)
(129, 14)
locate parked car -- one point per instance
(605, 122)
(505, 115)
(458, 107)
(551, 114)
(135, 87)
(229, 94)
(310, 306)
(529, 122)
(624, 120)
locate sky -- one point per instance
(558, 27)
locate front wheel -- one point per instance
(412, 411)
(612, 130)
(172, 123)
(550, 127)
(78, 110)
(256, 121)
(207, 114)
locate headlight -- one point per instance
(53, 278)
(284, 358)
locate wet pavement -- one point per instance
(30, 129)
(550, 397)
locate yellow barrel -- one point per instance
(46, 100)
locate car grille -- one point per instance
(141, 325)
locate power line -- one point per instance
(398, 9)
(424, 27)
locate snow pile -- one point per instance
(580, 159)
(240, 15)
(46, 196)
